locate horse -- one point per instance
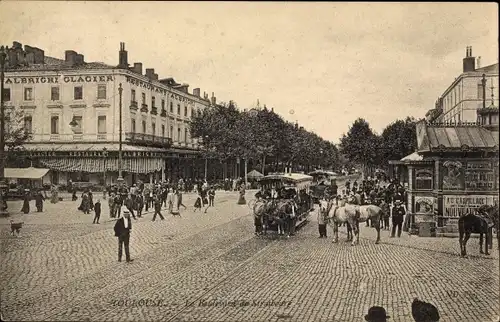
(479, 223)
(339, 214)
(368, 212)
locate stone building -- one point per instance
(72, 110)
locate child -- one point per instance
(97, 209)
(197, 204)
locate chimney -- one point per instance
(138, 68)
(155, 76)
(79, 59)
(30, 58)
(150, 72)
(17, 45)
(196, 92)
(12, 57)
(213, 100)
(39, 56)
(469, 62)
(122, 56)
(479, 62)
(70, 57)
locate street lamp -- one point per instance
(3, 185)
(120, 176)
(105, 155)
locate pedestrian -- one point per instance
(322, 224)
(211, 196)
(97, 210)
(122, 228)
(376, 314)
(73, 195)
(198, 202)
(26, 202)
(179, 199)
(157, 206)
(139, 204)
(39, 199)
(241, 200)
(174, 210)
(398, 213)
(129, 203)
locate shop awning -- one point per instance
(25, 173)
(99, 165)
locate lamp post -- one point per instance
(105, 155)
(120, 176)
(205, 139)
(3, 185)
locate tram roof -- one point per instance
(323, 172)
(287, 177)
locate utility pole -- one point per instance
(3, 185)
(120, 176)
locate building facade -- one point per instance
(72, 110)
(464, 96)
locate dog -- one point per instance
(15, 227)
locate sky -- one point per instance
(321, 64)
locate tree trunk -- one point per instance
(246, 168)
(264, 164)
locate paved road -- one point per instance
(210, 267)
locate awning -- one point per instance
(25, 173)
(59, 147)
(99, 165)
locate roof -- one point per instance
(25, 173)
(455, 137)
(51, 63)
(89, 147)
(493, 68)
(254, 174)
(415, 156)
(290, 177)
(322, 173)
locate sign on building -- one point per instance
(458, 205)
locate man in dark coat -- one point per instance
(97, 210)
(122, 228)
(398, 213)
(157, 205)
(39, 199)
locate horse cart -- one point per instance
(321, 181)
(283, 203)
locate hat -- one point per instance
(126, 212)
(397, 202)
(376, 313)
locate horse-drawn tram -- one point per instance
(321, 181)
(283, 203)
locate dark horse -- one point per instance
(480, 223)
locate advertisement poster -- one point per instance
(453, 175)
(456, 206)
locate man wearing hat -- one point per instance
(376, 314)
(398, 213)
(122, 228)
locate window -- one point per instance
(101, 124)
(171, 132)
(132, 125)
(78, 92)
(101, 92)
(480, 91)
(28, 124)
(28, 93)
(171, 107)
(153, 128)
(54, 93)
(178, 134)
(185, 111)
(185, 135)
(423, 179)
(6, 94)
(144, 127)
(163, 130)
(153, 102)
(77, 129)
(143, 98)
(162, 105)
(54, 124)
(178, 109)
(132, 95)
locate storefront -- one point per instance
(457, 174)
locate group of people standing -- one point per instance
(39, 195)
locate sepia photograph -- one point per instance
(217, 161)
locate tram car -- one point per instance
(321, 180)
(278, 194)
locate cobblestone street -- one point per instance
(210, 267)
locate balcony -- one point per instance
(147, 140)
(133, 105)
(154, 110)
(144, 108)
(163, 113)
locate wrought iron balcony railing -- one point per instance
(148, 140)
(154, 110)
(133, 105)
(144, 108)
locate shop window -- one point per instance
(6, 94)
(423, 180)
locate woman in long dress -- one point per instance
(175, 204)
(170, 200)
(241, 200)
(54, 198)
(26, 202)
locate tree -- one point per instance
(16, 134)
(398, 140)
(361, 145)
